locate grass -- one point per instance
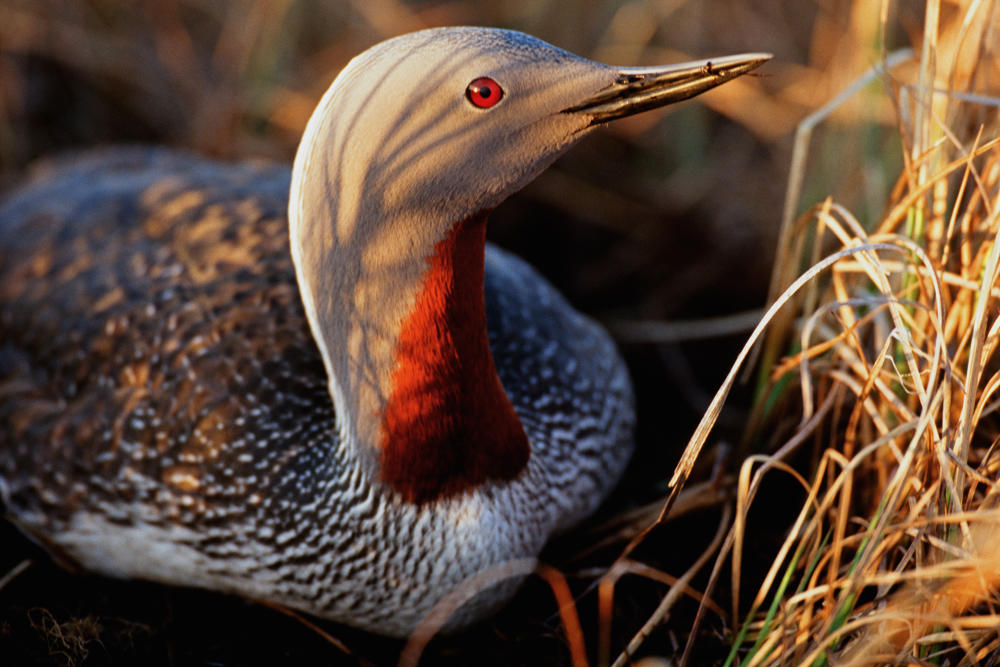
(892, 555)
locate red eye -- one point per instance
(484, 92)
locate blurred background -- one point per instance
(666, 217)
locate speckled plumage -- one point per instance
(164, 411)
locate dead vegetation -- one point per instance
(886, 351)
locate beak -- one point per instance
(640, 88)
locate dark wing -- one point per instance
(154, 355)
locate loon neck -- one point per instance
(397, 310)
(448, 425)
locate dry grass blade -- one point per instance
(313, 627)
(677, 331)
(690, 455)
(674, 594)
(450, 603)
(15, 572)
(567, 612)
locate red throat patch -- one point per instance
(448, 425)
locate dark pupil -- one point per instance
(484, 92)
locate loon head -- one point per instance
(412, 144)
(446, 122)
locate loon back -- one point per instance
(349, 410)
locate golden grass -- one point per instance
(887, 350)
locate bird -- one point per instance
(320, 388)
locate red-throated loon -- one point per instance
(350, 410)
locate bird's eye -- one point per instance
(484, 92)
